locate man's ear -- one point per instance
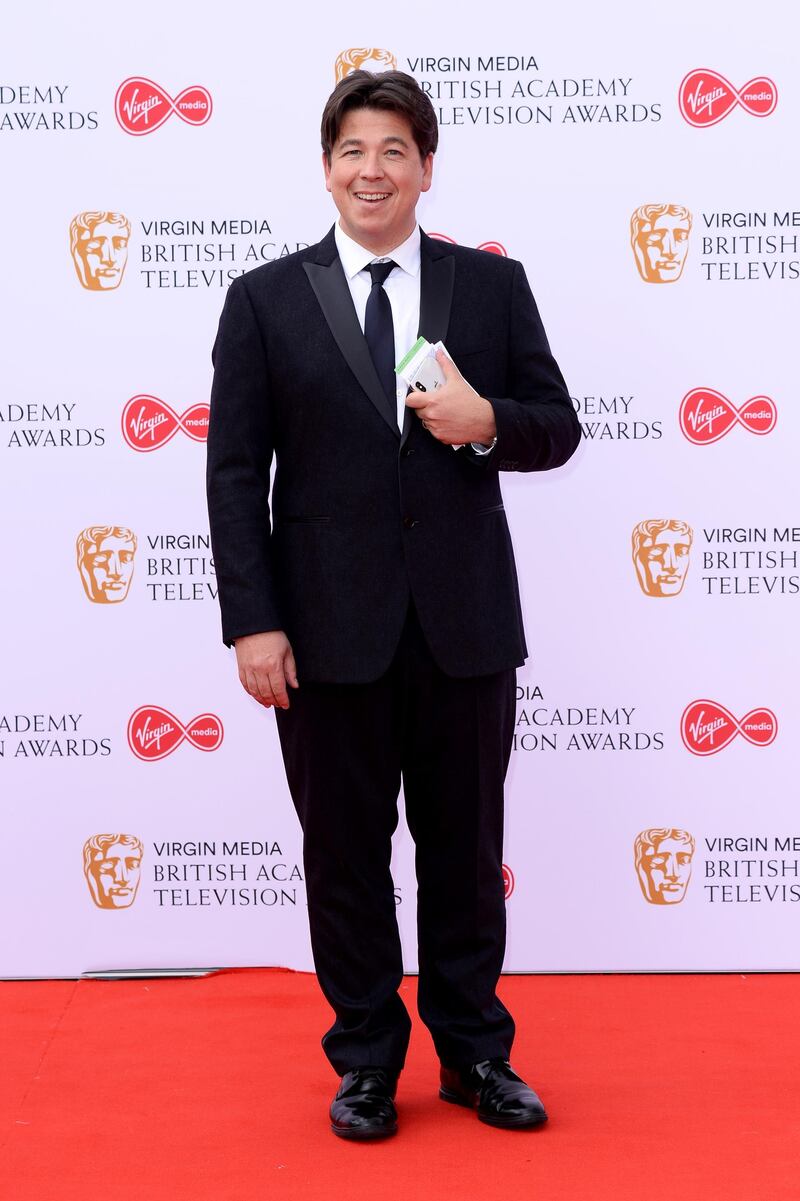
(326, 167)
(427, 172)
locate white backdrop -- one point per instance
(554, 131)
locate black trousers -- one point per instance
(345, 748)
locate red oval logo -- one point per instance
(706, 97)
(489, 247)
(154, 733)
(148, 423)
(706, 415)
(142, 106)
(707, 727)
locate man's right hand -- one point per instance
(266, 666)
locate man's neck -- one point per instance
(377, 248)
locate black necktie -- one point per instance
(379, 330)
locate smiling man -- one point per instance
(375, 603)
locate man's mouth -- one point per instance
(372, 197)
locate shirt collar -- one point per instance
(354, 257)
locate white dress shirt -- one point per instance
(402, 287)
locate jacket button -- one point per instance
(409, 523)
(407, 452)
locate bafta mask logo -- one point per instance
(98, 243)
(112, 864)
(362, 59)
(663, 864)
(661, 555)
(508, 881)
(660, 241)
(105, 562)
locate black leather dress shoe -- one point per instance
(498, 1094)
(364, 1105)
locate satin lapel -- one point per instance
(330, 285)
(437, 276)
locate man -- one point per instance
(385, 594)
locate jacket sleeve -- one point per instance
(537, 427)
(240, 448)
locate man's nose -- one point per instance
(669, 870)
(120, 874)
(670, 558)
(105, 251)
(668, 248)
(371, 166)
(114, 566)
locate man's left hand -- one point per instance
(454, 413)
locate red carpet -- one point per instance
(177, 1090)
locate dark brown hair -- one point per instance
(392, 91)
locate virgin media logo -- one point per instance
(148, 422)
(706, 416)
(491, 247)
(154, 733)
(142, 106)
(508, 881)
(707, 727)
(706, 97)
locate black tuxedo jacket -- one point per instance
(362, 514)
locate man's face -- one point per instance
(666, 869)
(104, 253)
(375, 177)
(116, 876)
(662, 562)
(661, 247)
(107, 569)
